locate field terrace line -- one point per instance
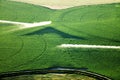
(27, 25)
(87, 46)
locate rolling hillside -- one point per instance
(36, 48)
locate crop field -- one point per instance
(37, 47)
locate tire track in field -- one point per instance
(97, 19)
(94, 36)
(86, 32)
(16, 17)
(61, 17)
(35, 58)
(101, 17)
(82, 14)
(10, 10)
(73, 58)
(13, 56)
(17, 52)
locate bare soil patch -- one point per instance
(62, 4)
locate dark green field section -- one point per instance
(36, 48)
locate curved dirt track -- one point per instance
(55, 70)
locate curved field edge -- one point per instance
(55, 71)
(62, 4)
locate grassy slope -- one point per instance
(98, 25)
(96, 20)
(92, 24)
(23, 12)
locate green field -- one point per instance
(36, 48)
